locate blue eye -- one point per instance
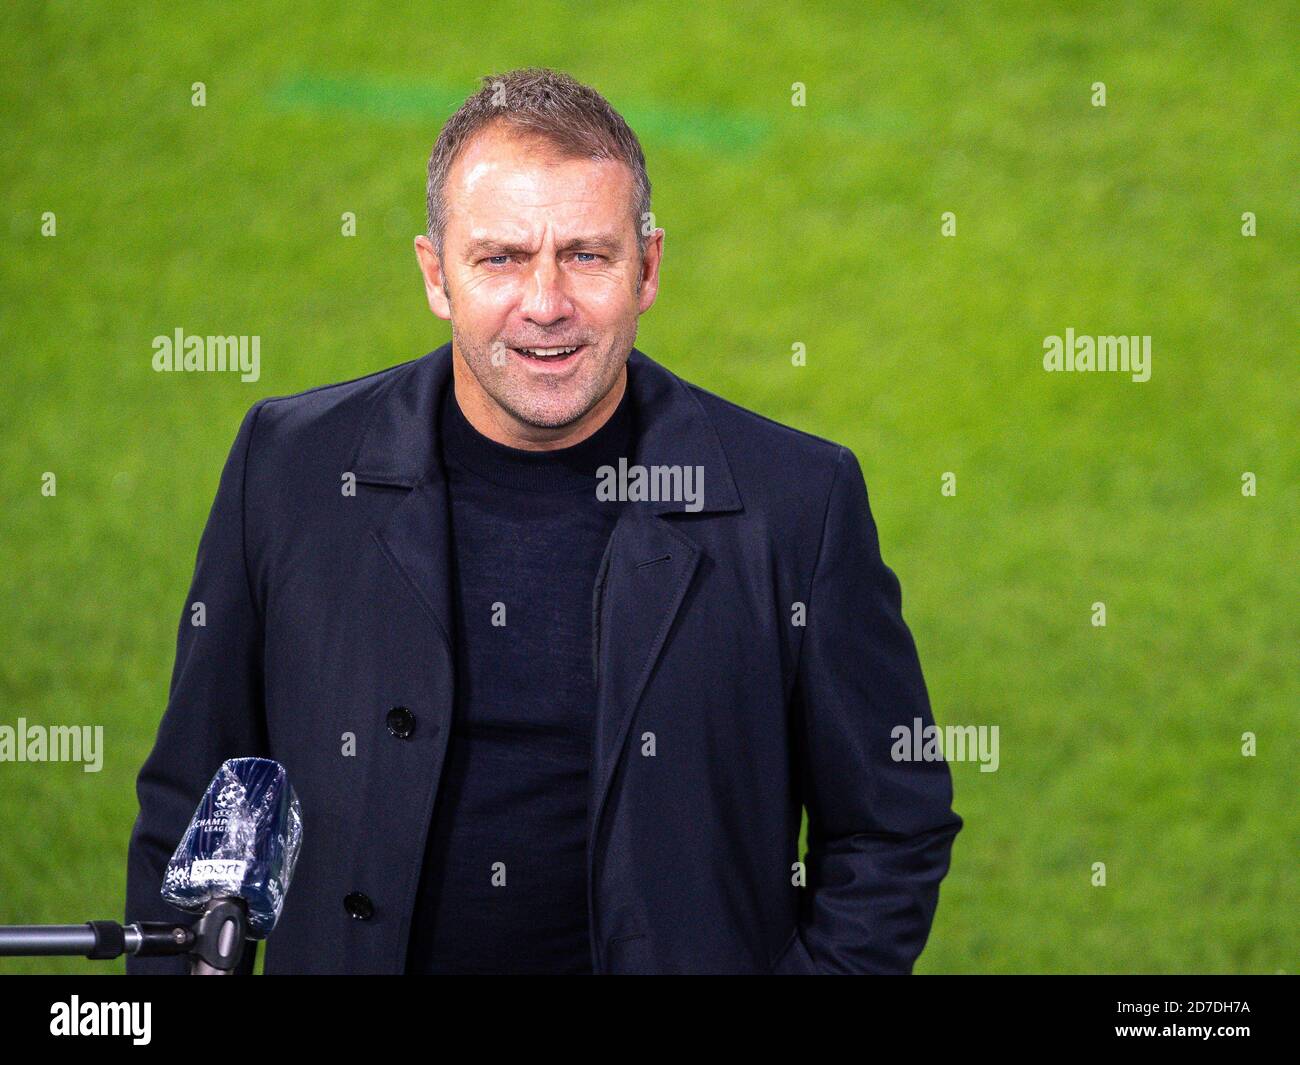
(591, 256)
(492, 258)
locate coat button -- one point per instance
(401, 722)
(359, 906)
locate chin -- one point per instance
(548, 410)
(549, 418)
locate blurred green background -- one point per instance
(817, 225)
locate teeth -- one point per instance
(548, 352)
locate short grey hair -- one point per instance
(570, 118)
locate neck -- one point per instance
(502, 427)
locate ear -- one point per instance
(435, 284)
(654, 254)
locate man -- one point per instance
(555, 647)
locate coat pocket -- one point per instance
(630, 956)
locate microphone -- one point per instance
(236, 859)
(233, 866)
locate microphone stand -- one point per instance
(214, 945)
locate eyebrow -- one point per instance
(598, 242)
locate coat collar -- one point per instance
(398, 445)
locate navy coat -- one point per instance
(751, 660)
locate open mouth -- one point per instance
(549, 354)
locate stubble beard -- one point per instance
(541, 403)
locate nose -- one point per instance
(545, 300)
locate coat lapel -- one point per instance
(398, 449)
(648, 569)
(416, 540)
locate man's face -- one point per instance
(539, 252)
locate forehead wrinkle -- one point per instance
(526, 194)
(516, 179)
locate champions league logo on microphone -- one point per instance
(230, 797)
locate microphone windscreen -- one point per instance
(243, 841)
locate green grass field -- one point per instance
(817, 225)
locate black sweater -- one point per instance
(504, 886)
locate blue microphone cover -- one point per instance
(243, 842)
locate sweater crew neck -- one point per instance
(563, 469)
